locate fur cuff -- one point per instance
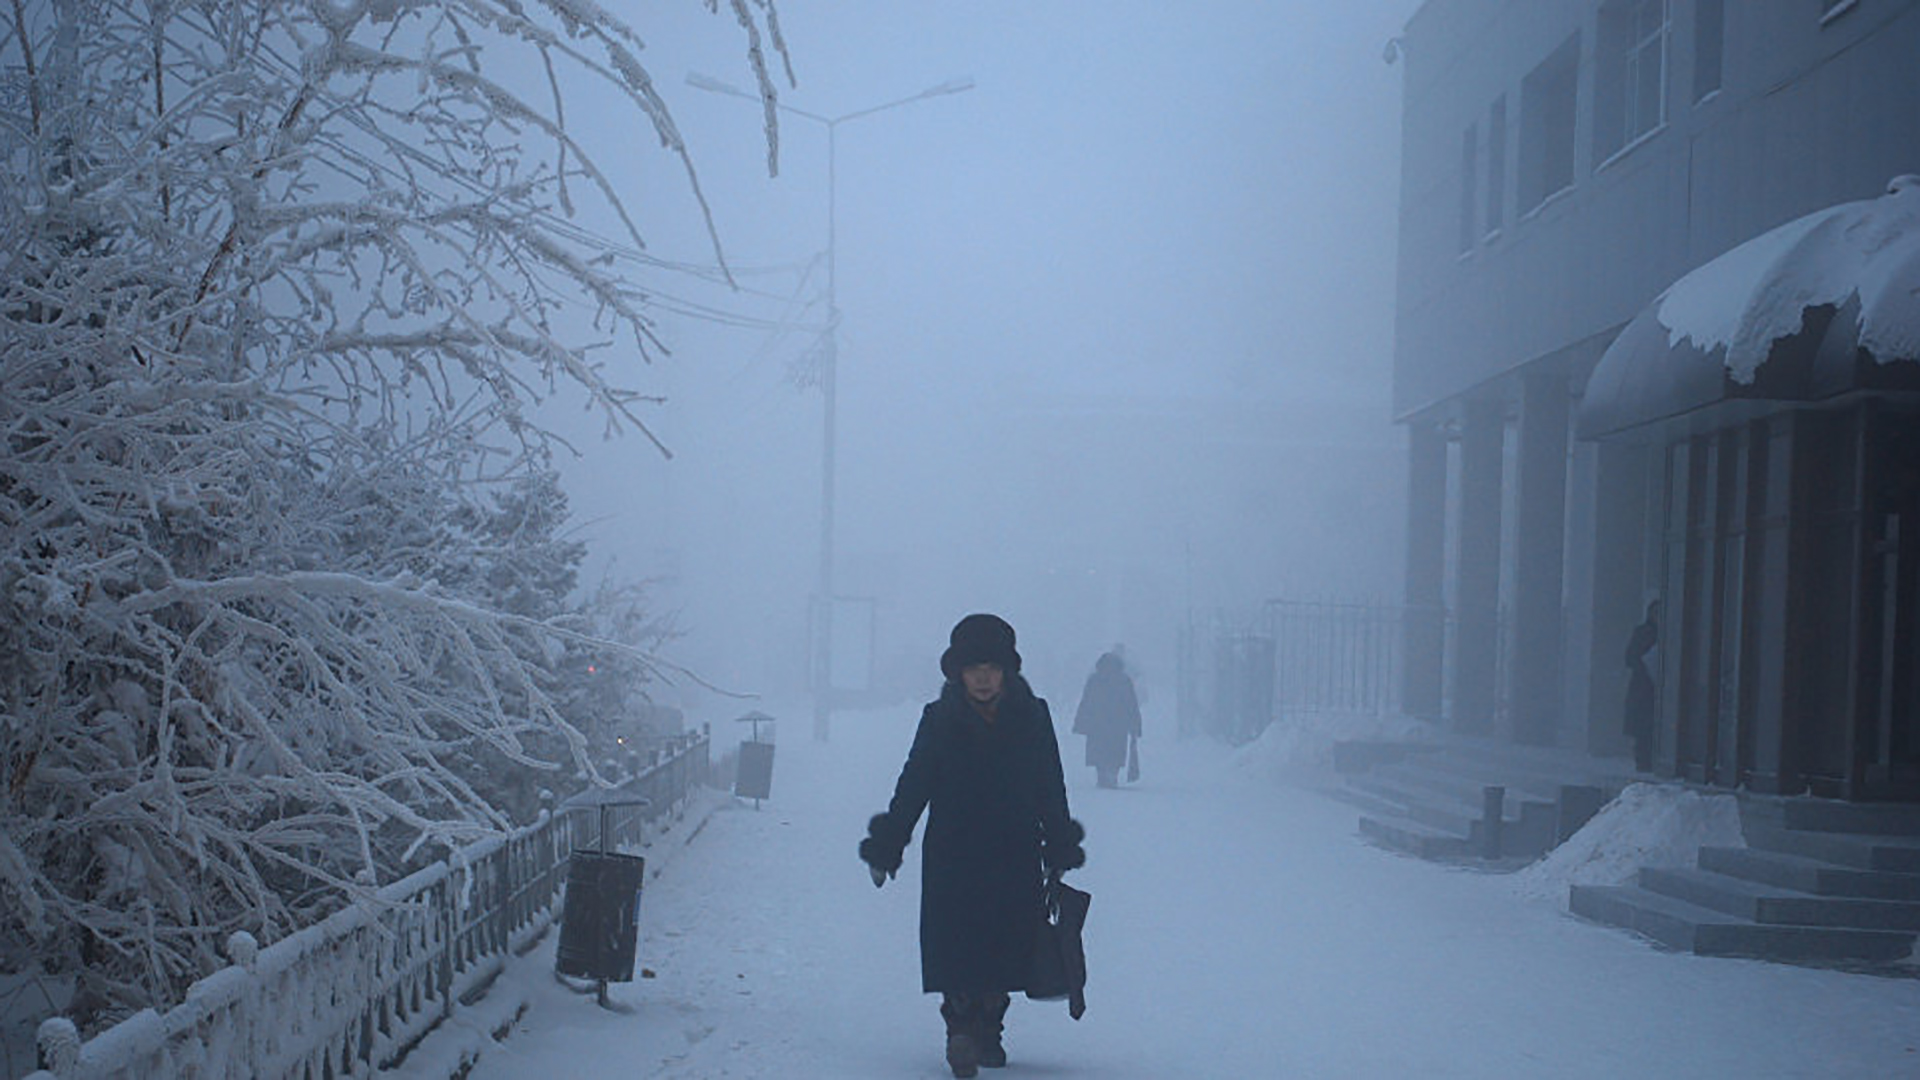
(883, 846)
(1064, 852)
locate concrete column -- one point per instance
(1576, 646)
(1477, 567)
(1423, 629)
(1686, 636)
(1539, 562)
(1732, 693)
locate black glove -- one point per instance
(882, 848)
(1061, 853)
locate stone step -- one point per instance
(1771, 904)
(1433, 810)
(1361, 800)
(1834, 816)
(1414, 838)
(1533, 768)
(1361, 755)
(1455, 786)
(1900, 854)
(1410, 787)
(1810, 875)
(1706, 932)
(1573, 801)
(1528, 827)
(1527, 834)
(1536, 833)
(1440, 815)
(1470, 771)
(1424, 776)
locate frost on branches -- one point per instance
(282, 580)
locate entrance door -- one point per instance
(1825, 636)
(1892, 664)
(1733, 706)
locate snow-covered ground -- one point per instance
(1239, 929)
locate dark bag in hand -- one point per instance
(1059, 959)
(1133, 759)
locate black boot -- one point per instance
(993, 1014)
(962, 1013)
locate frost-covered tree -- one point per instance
(279, 281)
(601, 678)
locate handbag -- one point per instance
(1059, 967)
(1133, 759)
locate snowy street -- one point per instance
(1239, 929)
(429, 426)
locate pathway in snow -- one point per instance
(1239, 929)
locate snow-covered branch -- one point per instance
(284, 584)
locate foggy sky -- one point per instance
(1116, 337)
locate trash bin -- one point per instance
(753, 767)
(753, 778)
(600, 924)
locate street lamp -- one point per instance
(829, 365)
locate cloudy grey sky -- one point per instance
(1110, 315)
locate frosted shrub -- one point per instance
(280, 282)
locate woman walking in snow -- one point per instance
(986, 769)
(1109, 716)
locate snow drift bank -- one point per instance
(1647, 825)
(1305, 742)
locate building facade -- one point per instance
(1564, 163)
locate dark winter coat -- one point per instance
(1641, 704)
(996, 820)
(1108, 715)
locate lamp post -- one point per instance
(829, 374)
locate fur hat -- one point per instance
(980, 639)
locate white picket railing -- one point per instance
(357, 990)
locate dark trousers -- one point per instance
(981, 1016)
(1643, 752)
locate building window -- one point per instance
(1497, 164)
(1469, 197)
(1630, 83)
(1546, 125)
(1709, 45)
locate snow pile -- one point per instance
(25, 998)
(1757, 293)
(1306, 741)
(1647, 825)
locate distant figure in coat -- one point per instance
(1642, 703)
(1109, 716)
(986, 769)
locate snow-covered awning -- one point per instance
(1819, 306)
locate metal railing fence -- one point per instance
(356, 991)
(1335, 658)
(1240, 672)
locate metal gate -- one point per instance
(1335, 658)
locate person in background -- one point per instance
(1109, 716)
(985, 767)
(1642, 702)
